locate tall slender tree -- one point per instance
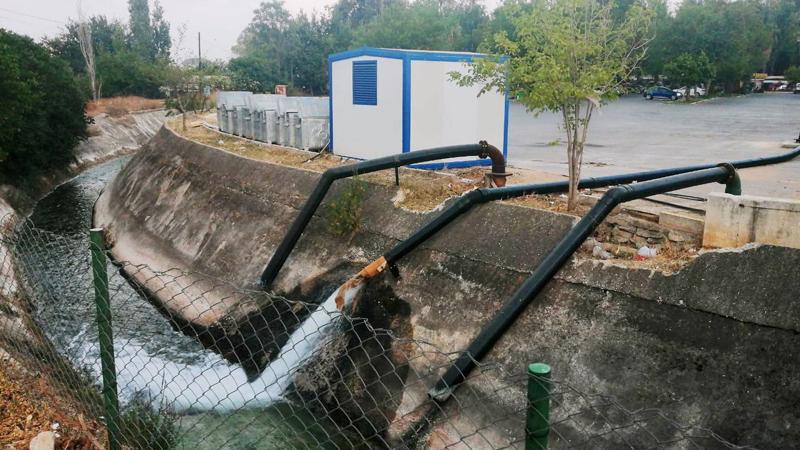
(141, 31)
(161, 38)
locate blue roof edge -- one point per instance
(412, 54)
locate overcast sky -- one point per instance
(219, 21)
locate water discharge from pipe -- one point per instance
(214, 384)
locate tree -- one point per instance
(783, 19)
(690, 70)
(87, 50)
(734, 36)
(568, 57)
(426, 25)
(161, 38)
(418, 25)
(141, 31)
(792, 74)
(106, 37)
(46, 110)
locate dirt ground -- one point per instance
(29, 406)
(421, 190)
(120, 106)
(425, 190)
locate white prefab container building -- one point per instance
(388, 101)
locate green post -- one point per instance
(106, 338)
(537, 425)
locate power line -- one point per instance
(32, 16)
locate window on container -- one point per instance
(365, 82)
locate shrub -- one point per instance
(43, 109)
(344, 213)
(143, 427)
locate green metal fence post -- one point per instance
(537, 425)
(106, 339)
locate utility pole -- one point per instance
(199, 55)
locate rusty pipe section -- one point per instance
(498, 173)
(353, 285)
(482, 150)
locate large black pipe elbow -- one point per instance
(498, 174)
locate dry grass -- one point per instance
(119, 106)
(420, 190)
(29, 406)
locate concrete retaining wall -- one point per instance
(732, 221)
(715, 344)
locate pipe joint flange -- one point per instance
(733, 184)
(484, 149)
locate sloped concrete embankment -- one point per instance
(715, 344)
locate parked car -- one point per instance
(661, 92)
(696, 91)
(796, 89)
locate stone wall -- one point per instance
(715, 344)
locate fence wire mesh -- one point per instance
(203, 364)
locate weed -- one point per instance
(344, 213)
(143, 427)
(554, 143)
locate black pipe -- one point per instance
(485, 195)
(557, 257)
(482, 150)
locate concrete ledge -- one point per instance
(732, 221)
(681, 222)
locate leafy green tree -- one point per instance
(128, 73)
(253, 73)
(690, 70)
(107, 37)
(417, 25)
(734, 36)
(783, 20)
(426, 25)
(661, 47)
(141, 41)
(568, 57)
(792, 74)
(44, 106)
(162, 42)
(278, 48)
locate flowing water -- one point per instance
(215, 404)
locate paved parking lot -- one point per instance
(635, 134)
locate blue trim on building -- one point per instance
(505, 127)
(453, 164)
(330, 106)
(402, 54)
(406, 145)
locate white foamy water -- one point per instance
(215, 384)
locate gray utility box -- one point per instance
(312, 132)
(287, 106)
(264, 112)
(299, 122)
(247, 122)
(227, 102)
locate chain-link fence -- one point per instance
(203, 364)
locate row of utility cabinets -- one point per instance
(299, 122)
